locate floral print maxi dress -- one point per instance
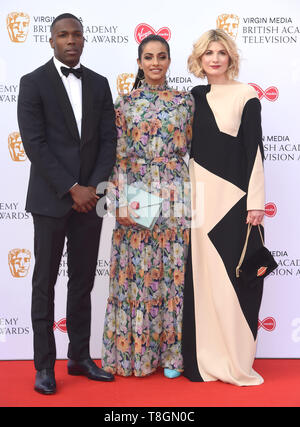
(143, 320)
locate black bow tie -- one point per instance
(76, 71)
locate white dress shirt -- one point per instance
(74, 90)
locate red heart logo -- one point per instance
(270, 209)
(144, 30)
(269, 324)
(61, 325)
(271, 94)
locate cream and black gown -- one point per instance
(220, 318)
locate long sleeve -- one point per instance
(119, 169)
(190, 107)
(33, 133)
(107, 142)
(252, 139)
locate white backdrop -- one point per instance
(268, 36)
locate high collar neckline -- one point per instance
(163, 86)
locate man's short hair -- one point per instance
(65, 16)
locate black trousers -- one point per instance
(82, 231)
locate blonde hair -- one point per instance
(200, 47)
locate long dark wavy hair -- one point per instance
(152, 38)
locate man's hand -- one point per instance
(85, 198)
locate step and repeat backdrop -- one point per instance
(268, 36)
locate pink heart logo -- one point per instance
(144, 30)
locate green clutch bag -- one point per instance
(150, 206)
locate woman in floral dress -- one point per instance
(143, 321)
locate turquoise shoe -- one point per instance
(171, 373)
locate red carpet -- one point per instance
(281, 388)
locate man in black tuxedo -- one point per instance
(67, 124)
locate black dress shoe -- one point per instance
(89, 369)
(45, 381)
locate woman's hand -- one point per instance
(124, 214)
(255, 217)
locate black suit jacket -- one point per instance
(59, 157)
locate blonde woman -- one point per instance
(226, 171)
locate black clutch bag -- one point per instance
(258, 265)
